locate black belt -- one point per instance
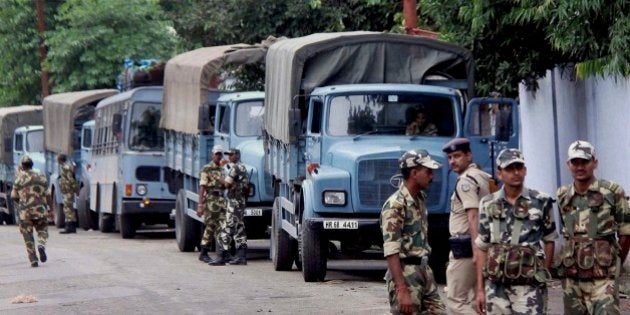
(216, 193)
(421, 261)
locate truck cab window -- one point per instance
(35, 141)
(316, 123)
(145, 134)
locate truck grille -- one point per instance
(375, 187)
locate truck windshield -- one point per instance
(249, 118)
(35, 141)
(144, 133)
(411, 114)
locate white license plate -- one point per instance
(253, 212)
(341, 224)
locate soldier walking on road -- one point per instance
(511, 261)
(212, 206)
(596, 229)
(472, 185)
(238, 190)
(410, 283)
(31, 196)
(69, 187)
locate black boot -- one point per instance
(203, 255)
(33, 259)
(222, 258)
(71, 227)
(42, 253)
(241, 256)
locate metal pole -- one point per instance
(41, 28)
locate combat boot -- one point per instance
(71, 227)
(241, 256)
(33, 259)
(203, 255)
(222, 258)
(42, 253)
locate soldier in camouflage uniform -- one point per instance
(212, 206)
(472, 185)
(410, 283)
(511, 261)
(31, 196)
(69, 187)
(238, 190)
(596, 229)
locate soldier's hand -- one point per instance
(50, 215)
(480, 302)
(404, 300)
(199, 210)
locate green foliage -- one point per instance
(92, 38)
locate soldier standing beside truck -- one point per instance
(238, 190)
(594, 213)
(31, 194)
(69, 187)
(410, 282)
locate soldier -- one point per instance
(512, 223)
(596, 229)
(472, 184)
(410, 282)
(212, 206)
(69, 188)
(31, 196)
(238, 190)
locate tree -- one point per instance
(92, 38)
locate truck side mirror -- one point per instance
(117, 123)
(204, 125)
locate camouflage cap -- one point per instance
(26, 159)
(581, 150)
(217, 148)
(457, 144)
(509, 156)
(418, 157)
(233, 151)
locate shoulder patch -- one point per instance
(465, 187)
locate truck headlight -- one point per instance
(141, 189)
(335, 198)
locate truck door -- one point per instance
(222, 126)
(314, 129)
(18, 147)
(86, 145)
(491, 125)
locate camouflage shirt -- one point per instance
(210, 176)
(532, 206)
(404, 225)
(66, 179)
(605, 198)
(237, 174)
(30, 187)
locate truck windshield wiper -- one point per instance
(363, 134)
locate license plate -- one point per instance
(341, 224)
(253, 212)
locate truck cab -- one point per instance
(29, 140)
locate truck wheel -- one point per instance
(105, 222)
(313, 250)
(187, 229)
(83, 209)
(127, 226)
(282, 246)
(60, 217)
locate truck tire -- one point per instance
(313, 250)
(106, 222)
(127, 226)
(187, 229)
(83, 209)
(282, 249)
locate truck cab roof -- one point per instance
(239, 96)
(383, 87)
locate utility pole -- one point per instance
(41, 28)
(411, 20)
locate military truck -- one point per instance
(191, 95)
(19, 136)
(339, 112)
(64, 116)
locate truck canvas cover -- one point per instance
(187, 80)
(296, 66)
(12, 118)
(60, 111)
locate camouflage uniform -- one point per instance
(68, 185)
(590, 258)
(472, 185)
(30, 191)
(236, 201)
(404, 225)
(214, 210)
(515, 278)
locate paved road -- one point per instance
(95, 273)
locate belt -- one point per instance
(216, 193)
(420, 261)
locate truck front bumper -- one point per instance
(147, 206)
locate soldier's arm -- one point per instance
(623, 219)
(468, 193)
(549, 231)
(392, 221)
(482, 242)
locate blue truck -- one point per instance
(22, 134)
(198, 115)
(64, 115)
(338, 107)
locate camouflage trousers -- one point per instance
(214, 219)
(234, 229)
(39, 224)
(68, 207)
(515, 299)
(590, 296)
(422, 287)
(460, 280)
